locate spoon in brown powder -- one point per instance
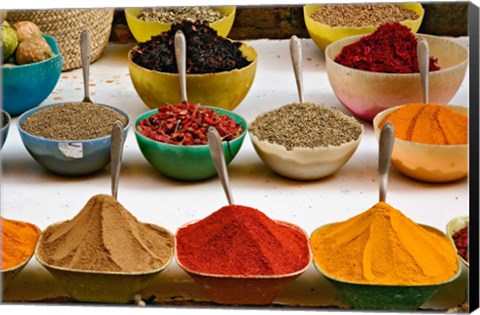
(116, 150)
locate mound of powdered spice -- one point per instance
(305, 125)
(238, 240)
(18, 240)
(382, 246)
(73, 121)
(392, 48)
(207, 52)
(429, 124)
(105, 237)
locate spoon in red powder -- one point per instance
(216, 150)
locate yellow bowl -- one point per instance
(143, 31)
(428, 162)
(101, 286)
(225, 89)
(367, 93)
(323, 34)
(245, 290)
(453, 227)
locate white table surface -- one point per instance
(30, 193)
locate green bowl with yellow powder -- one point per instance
(384, 297)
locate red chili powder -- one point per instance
(392, 48)
(238, 240)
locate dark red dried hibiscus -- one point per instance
(392, 48)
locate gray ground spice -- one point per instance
(305, 125)
(73, 121)
(170, 15)
(358, 15)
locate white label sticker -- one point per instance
(71, 149)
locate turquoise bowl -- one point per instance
(187, 163)
(26, 86)
(6, 124)
(386, 297)
(68, 158)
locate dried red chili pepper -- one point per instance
(461, 242)
(392, 48)
(187, 124)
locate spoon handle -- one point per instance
(296, 55)
(85, 51)
(116, 151)
(181, 57)
(423, 57)
(216, 150)
(387, 138)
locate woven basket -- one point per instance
(66, 26)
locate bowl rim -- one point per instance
(252, 63)
(256, 140)
(341, 42)
(129, 13)
(450, 231)
(216, 109)
(55, 57)
(249, 277)
(105, 273)
(31, 111)
(376, 121)
(6, 123)
(359, 28)
(427, 227)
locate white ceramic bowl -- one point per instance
(304, 163)
(453, 227)
(428, 162)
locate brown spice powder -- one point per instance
(104, 236)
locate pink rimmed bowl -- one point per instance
(367, 93)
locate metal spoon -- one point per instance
(296, 55)
(116, 150)
(387, 137)
(85, 51)
(423, 57)
(181, 57)
(216, 150)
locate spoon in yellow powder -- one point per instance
(387, 136)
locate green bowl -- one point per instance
(386, 297)
(187, 163)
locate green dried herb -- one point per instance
(305, 125)
(73, 121)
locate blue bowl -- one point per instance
(5, 125)
(68, 158)
(187, 162)
(26, 86)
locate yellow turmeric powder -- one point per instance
(429, 124)
(382, 246)
(18, 241)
